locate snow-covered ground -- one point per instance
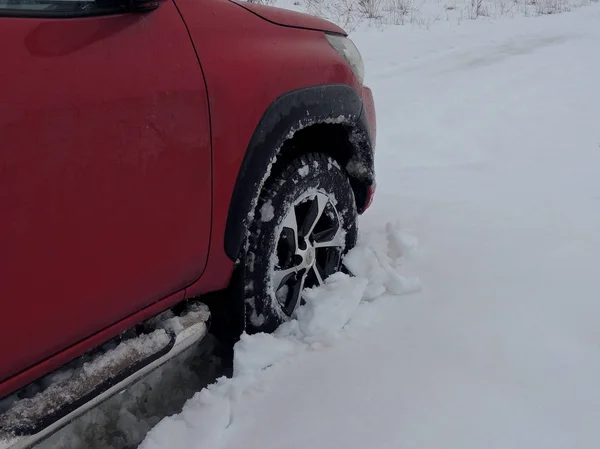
(489, 153)
(354, 14)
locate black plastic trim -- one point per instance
(291, 112)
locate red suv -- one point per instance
(152, 152)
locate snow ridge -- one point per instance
(328, 311)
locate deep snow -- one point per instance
(320, 322)
(489, 153)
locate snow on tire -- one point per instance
(307, 222)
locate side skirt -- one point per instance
(30, 420)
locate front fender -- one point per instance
(291, 112)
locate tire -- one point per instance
(305, 222)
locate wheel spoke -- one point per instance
(318, 274)
(333, 256)
(290, 222)
(289, 239)
(326, 235)
(295, 294)
(297, 240)
(314, 214)
(280, 277)
(336, 240)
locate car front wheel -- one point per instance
(305, 222)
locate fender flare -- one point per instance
(289, 113)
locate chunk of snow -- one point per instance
(379, 263)
(303, 171)
(327, 311)
(401, 242)
(267, 213)
(329, 307)
(254, 353)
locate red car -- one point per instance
(152, 152)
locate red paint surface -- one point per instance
(80, 348)
(253, 63)
(291, 18)
(106, 169)
(105, 175)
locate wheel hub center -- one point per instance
(309, 256)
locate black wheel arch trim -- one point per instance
(289, 113)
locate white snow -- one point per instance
(327, 315)
(377, 262)
(489, 153)
(330, 307)
(352, 15)
(266, 212)
(137, 348)
(303, 171)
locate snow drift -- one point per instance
(328, 312)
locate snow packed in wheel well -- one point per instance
(344, 143)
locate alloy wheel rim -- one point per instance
(309, 248)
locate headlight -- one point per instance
(348, 50)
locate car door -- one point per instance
(105, 169)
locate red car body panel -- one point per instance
(131, 135)
(290, 18)
(105, 175)
(79, 348)
(288, 58)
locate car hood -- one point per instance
(289, 18)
